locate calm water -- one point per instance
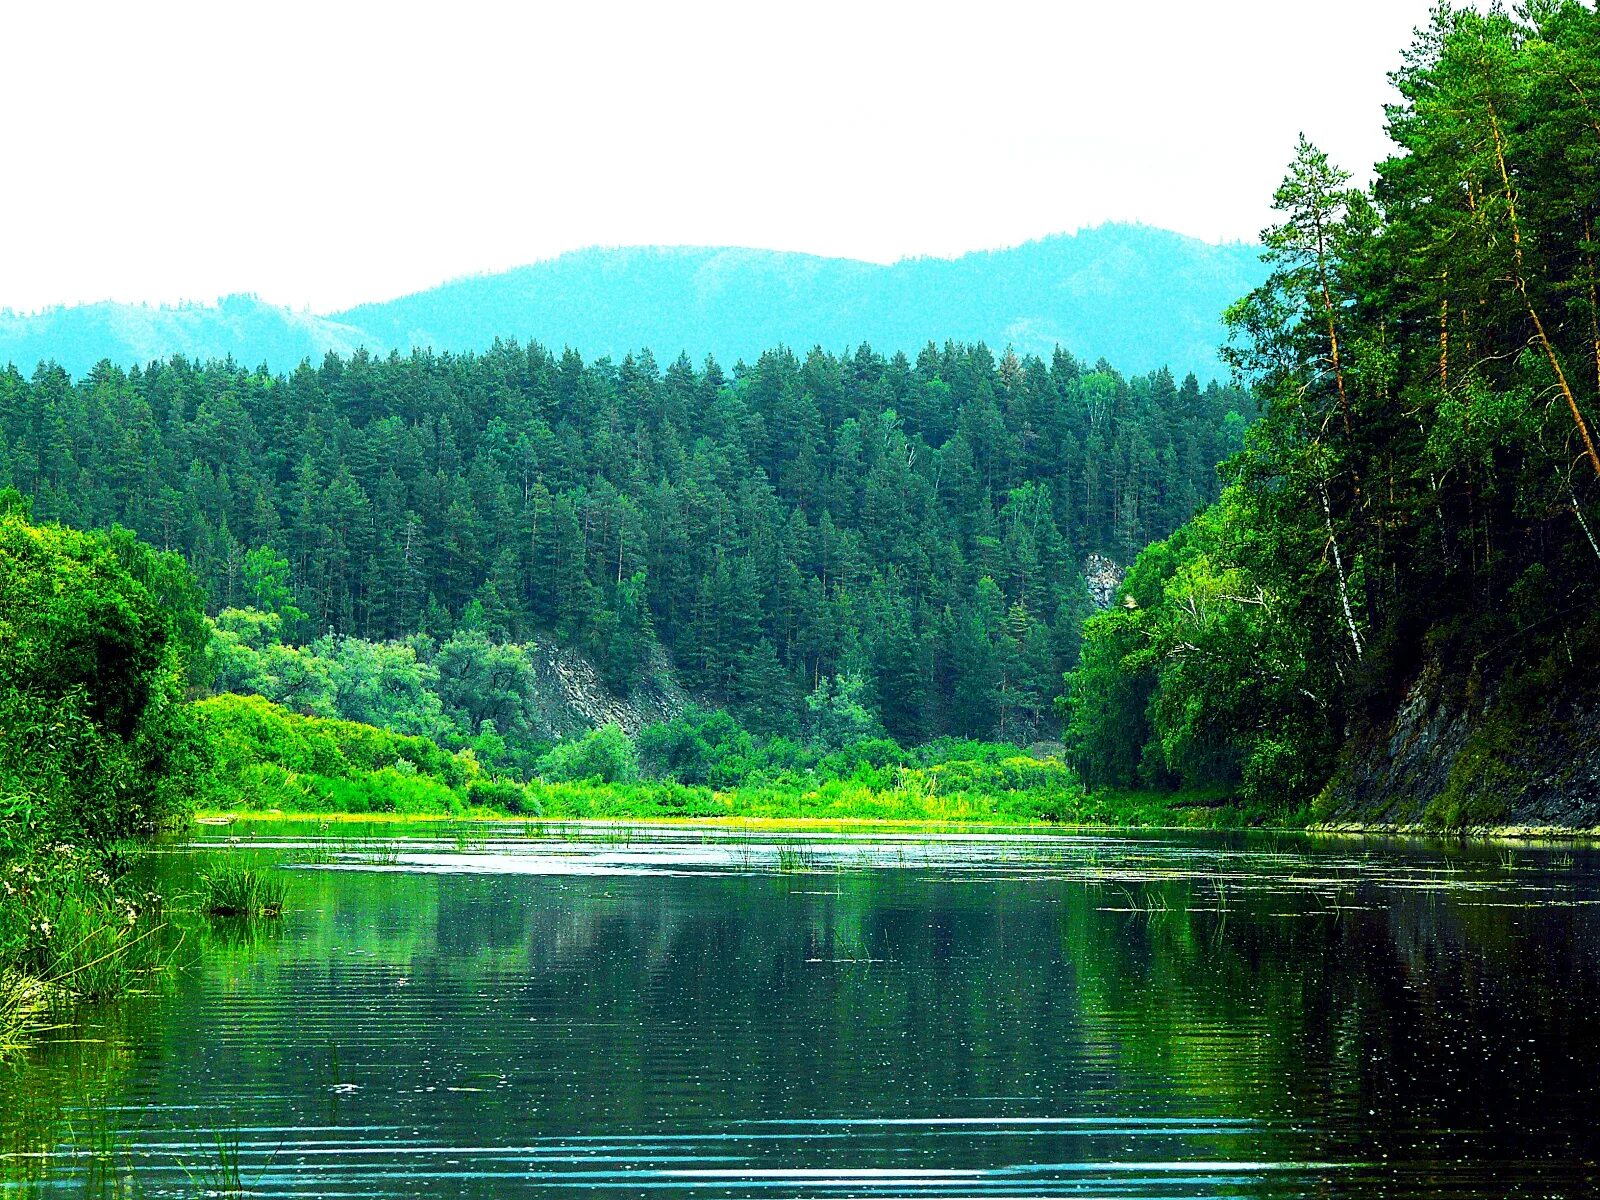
(667, 1013)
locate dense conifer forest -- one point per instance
(916, 528)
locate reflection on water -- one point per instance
(734, 1014)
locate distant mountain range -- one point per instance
(1137, 296)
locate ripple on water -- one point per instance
(740, 1014)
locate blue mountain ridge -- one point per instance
(1138, 296)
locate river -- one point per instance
(494, 1011)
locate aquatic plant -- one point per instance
(71, 924)
(798, 858)
(468, 836)
(221, 1175)
(377, 852)
(23, 1003)
(234, 889)
(93, 1161)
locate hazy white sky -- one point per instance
(325, 153)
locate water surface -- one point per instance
(716, 1013)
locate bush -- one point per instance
(697, 747)
(248, 731)
(503, 794)
(95, 740)
(604, 755)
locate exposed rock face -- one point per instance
(1392, 777)
(1104, 577)
(1475, 761)
(573, 699)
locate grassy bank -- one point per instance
(1102, 810)
(74, 928)
(269, 759)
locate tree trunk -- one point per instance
(1338, 567)
(1594, 301)
(1444, 329)
(1577, 511)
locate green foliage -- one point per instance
(97, 636)
(604, 755)
(502, 795)
(914, 522)
(71, 924)
(266, 581)
(248, 730)
(233, 888)
(467, 692)
(836, 716)
(703, 765)
(697, 747)
(995, 785)
(1421, 490)
(95, 740)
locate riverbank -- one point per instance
(1476, 833)
(793, 808)
(1168, 817)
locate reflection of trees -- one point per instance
(1408, 1011)
(66, 1081)
(622, 1001)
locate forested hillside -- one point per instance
(1398, 592)
(1142, 297)
(917, 526)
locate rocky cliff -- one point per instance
(571, 698)
(1523, 753)
(1103, 577)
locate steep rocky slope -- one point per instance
(1463, 755)
(572, 698)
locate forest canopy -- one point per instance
(918, 526)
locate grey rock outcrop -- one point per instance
(571, 698)
(1466, 757)
(1104, 578)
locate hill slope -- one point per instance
(240, 327)
(1141, 297)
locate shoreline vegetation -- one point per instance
(1465, 833)
(267, 758)
(98, 745)
(1145, 811)
(225, 818)
(1197, 816)
(1393, 609)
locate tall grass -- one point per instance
(72, 928)
(92, 1161)
(798, 858)
(24, 1002)
(230, 888)
(222, 1175)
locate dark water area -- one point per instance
(726, 1014)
